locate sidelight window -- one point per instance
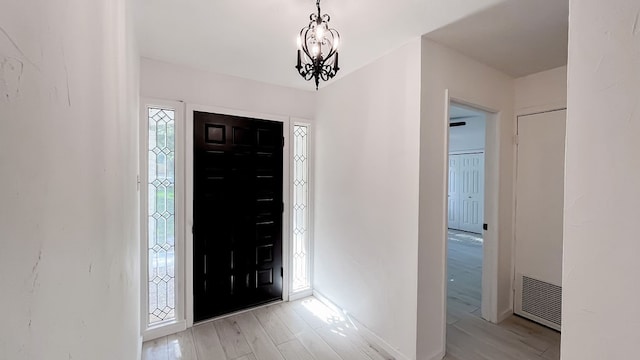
(161, 216)
(162, 226)
(301, 266)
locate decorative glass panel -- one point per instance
(301, 266)
(161, 211)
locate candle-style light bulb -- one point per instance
(319, 33)
(336, 43)
(299, 42)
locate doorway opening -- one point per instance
(467, 134)
(474, 329)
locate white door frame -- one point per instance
(489, 305)
(188, 162)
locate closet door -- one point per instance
(471, 175)
(454, 198)
(539, 216)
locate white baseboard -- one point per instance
(438, 356)
(158, 332)
(365, 331)
(504, 315)
(300, 295)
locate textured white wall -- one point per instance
(366, 199)
(466, 79)
(69, 250)
(174, 82)
(600, 313)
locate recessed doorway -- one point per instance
(467, 133)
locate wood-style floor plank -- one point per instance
(312, 312)
(345, 347)
(180, 346)
(155, 349)
(207, 342)
(553, 352)
(294, 350)
(316, 345)
(290, 318)
(272, 324)
(232, 340)
(261, 344)
(246, 357)
(497, 337)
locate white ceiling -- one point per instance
(518, 37)
(256, 39)
(458, 111)
(472, 134)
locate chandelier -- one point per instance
(318, 49)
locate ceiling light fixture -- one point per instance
(318, 49)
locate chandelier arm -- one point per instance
(303, 45)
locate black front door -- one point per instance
(237, 213)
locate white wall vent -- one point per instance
(540, 301)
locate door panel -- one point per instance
(454, 197)
(472, 192)
(540, 196)
(237, 213)
(466, 192)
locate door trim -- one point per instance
(490, 261)
(188, 221)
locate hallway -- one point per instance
(469, 337)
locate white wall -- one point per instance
(542, 91)
(174, 82)
(478, 84)
(69, 250)
(469, 137)
(600, 313)
(366, 199)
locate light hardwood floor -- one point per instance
(308, 330)
(469, 337)
(301, 330)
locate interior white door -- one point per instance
(466, 192)
(539, 203)
(454, 197)
(471, 192)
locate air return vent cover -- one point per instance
(542, 301)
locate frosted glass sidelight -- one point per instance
(301, 265)
(161, 215)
